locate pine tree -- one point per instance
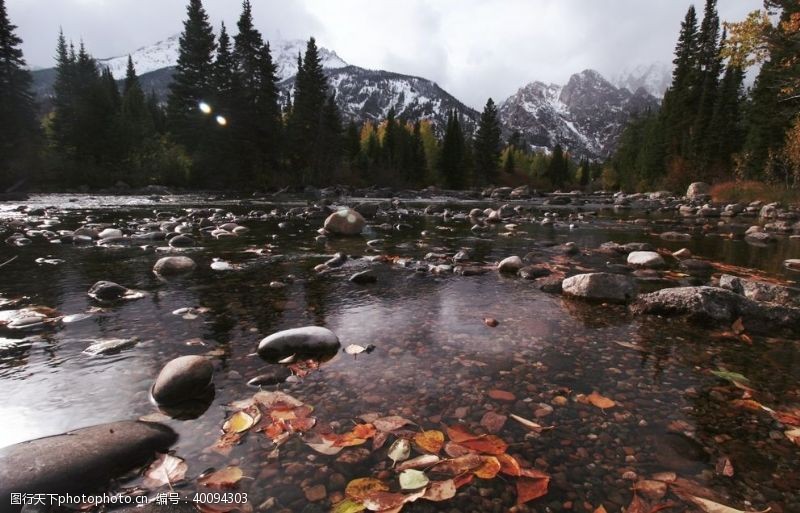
(62, 118)
(452, 159)
(418, 164)
(487, 144)
(224, 79)
(192, 80)
(509, 165)
(17, 110)
(558, 169)
(709, 67)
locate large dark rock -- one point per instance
(107, 291)
(719, 306)
(309, 341)
(616, 288)
(80, 461)
(761, 291)
(183, 379)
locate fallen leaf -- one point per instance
(359, 489)
(430, 441)
(354, 349)
(458, 466)
(491, 322)
(400, 450)
(509, 465)
(600, 401)
(463, 480)
(271, 399)
(489, 444)
(411, 479)
(348, 506)
(793, 435)
(424, 461)
(489, 469)
(239, 422)
(438, 491)
(454, 450)
(380, 501)
(325, 447)
(501, 395)
(530, 489)
(637, 505)
(714, 507)
(738, 326)
(533, 426)
(165, 470)
(733, 377)
(748, 404)
(458, 433)
(228, 477)
(391, 423)
(600, 509)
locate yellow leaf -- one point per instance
(600, 401)
(430, 441)
(359, 489)
(239, 422)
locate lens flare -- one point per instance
(205, 108)
(221, 121)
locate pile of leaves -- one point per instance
(442, 462)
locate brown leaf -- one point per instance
(430, 441)
(426, 460)
(359, 489)
(454, 450)
(738, 326)
(228, 477)
(491, 322)
(438, 491)
(489, 468)
(489, 444)
(637, 505)
(380, 501)
(390, 423)
(509, 465)
(458, 433)
(458, 466)
(600, 509)
(530, 489)
(165, 470)
(600, 401)
(724, 467)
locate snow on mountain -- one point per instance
(655, 78)
(586, 116)
(164, 54)
(364, 94)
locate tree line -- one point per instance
(708, 128)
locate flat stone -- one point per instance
(182, 379)
(600, 287)
(308, 341)
(510, 264)
(645, 259)
(80, 461)
(107, 291)
(363, 277)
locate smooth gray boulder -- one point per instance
(108, 291)
(761, 291)
(309, 341)
(645, 259)
(183, 379)
(174, 265)
(615, 288)
(80, 461)
(719, 306)
(364, 277)
(345, 221)
(510, 264)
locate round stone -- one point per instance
(345, 222)
(182, 379)
(172, 265)
(309, 341)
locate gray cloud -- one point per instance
(472, 48)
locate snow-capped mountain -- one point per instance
(364, 94)
(655, 78)
(164, 54)
(586, 116)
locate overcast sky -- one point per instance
(472, 48)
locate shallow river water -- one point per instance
(435, 361)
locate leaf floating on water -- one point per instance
(400, 450)
(325, 447)
(239, 422)
(225, 478)
(489, 469)
(411, 479)
(430, 441)
(458, 466)
(458, 433)
(438, 491)
(714, 507)
(348, 506)
(165, 470)
(601, 402)
(359, 489)
(354, 349)
(509, 465)
(529, 489)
